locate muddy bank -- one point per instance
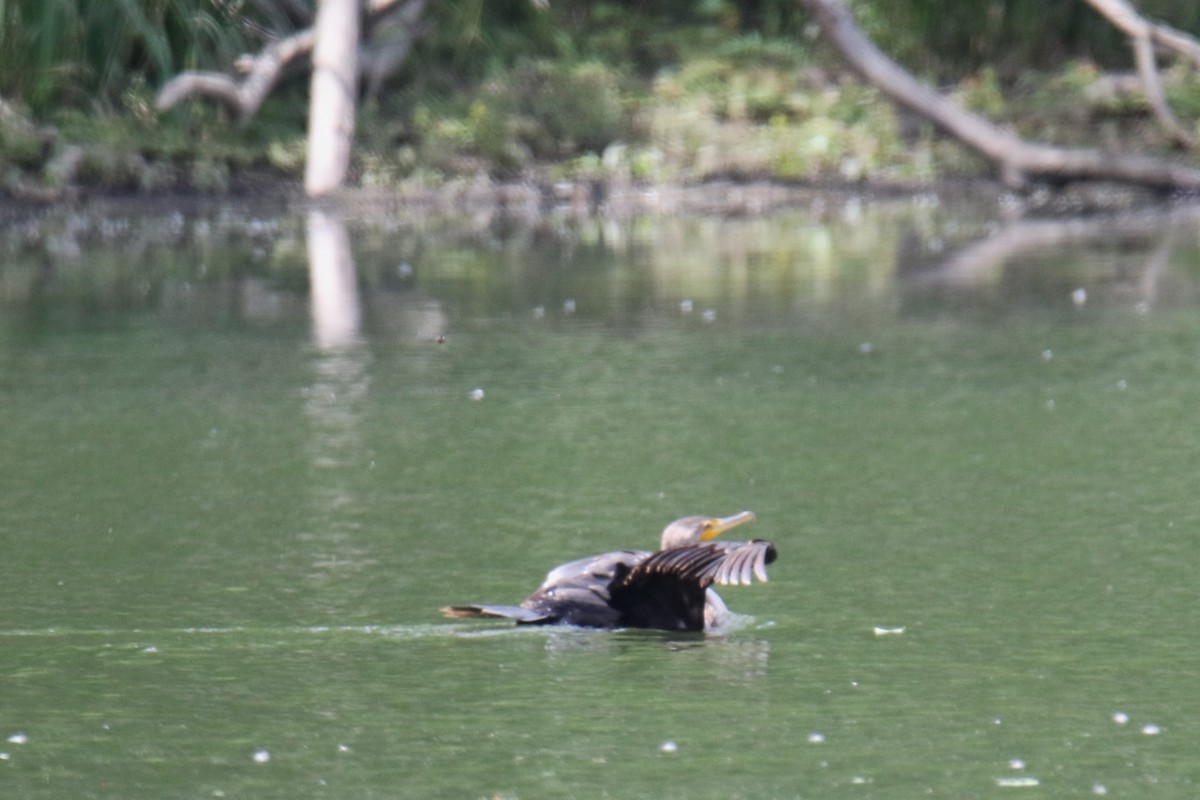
(529, 201)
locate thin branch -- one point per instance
(1125, 18)
(1016, 160)
(264, 70)
(1142, 34)
(244, 97)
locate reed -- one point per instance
(84, 54)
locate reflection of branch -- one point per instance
(264, 70)
(976, 262)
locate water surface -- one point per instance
(247, 455)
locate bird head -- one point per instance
(693, 530)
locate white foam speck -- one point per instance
(1047, 354)
(477, 394)
(1150, 729)
(888, 631)
(1099, 788)
(816, 738)
(668, 746)
(1016, 763)
(18, 738)
(343, 748)
(686, 306)
(261, 756)
(1019, 781)
(5, 756)
(1120, 717)
(1079, 296)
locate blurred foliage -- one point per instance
(85, 54)
(538, 112)
(947, 38)
(650, 89)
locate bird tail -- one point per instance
(522, 615)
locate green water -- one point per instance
(230, 512)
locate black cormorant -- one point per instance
(667, 589)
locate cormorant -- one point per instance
(667, 589)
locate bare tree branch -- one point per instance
(246, 96)
(1144, 35)
(264, 70)
(1016, 160)
(1125, 18)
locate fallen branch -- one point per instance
(1126, 19)
(263, 71)
(1144, 36)
(1016, 160)
(244, 97)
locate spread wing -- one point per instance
(667, 589)
(636, 589)
(593, 569)
(745, 561)
(580, 592)
(725, 563)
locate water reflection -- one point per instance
(333, 402)
(1124, 258)
(143, 572)
(248, 267)
(734, 658)
(336, 314)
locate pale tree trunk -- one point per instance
(331, 103)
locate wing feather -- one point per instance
(725, 563)
(744, 561)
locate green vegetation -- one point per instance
(948, 39)
(88, 55)
(654, 90)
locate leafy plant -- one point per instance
(85, 53)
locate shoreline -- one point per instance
(533, 199)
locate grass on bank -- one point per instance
(708, 103)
